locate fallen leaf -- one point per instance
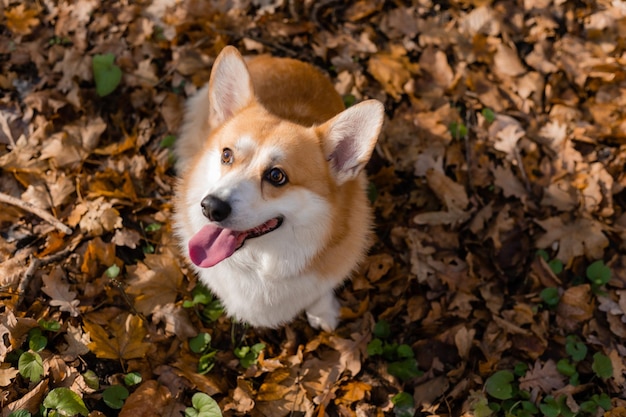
(575, 307)
(154, 282)
(577, 238)
(392, 70)
(176, 320)
(77, 343)
(58, 290)
(543, 377)
(21, 20)
(95, 217)
(30, 401)
(124, 338)
(6, 375)
(506, 61)
(149, 399)
(506, 131)
(353, 391)
(453, 196)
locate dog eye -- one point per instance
(227, 156)
(276, 176)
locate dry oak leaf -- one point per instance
(482, 20)
(351, 351)
(435, 62)
(77, 343)
(98, 253)
(506, 61)
(6, 375)
(176, 320)
(29, 401)
(281, 393)
(149, 399)
(464, 339)
(576, 307)
(597, 195)
(545, 378)
(560, 194)
(392, 70)
(508, 182)
(95, 217)
(242, 401)
(452, 194)
(154, 282)
(21, 20)
(353, 391)
(124, 340)
(58, 290)
(506, 131)
(13, 330)
(580, 237)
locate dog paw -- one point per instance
(324, 314)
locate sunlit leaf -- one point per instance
(203, 406)
(30, 366)
(65, 402)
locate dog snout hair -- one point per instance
(215, 209)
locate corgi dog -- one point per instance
(271, 206)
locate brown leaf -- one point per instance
(98, 254)
(452, 194)
(31, 401)
(154, 282)
(123, 338)
(392, 70)
(280, 394)
(508, 181)
(6, 375)
(353, 391)
(242, 397)
(575, 307)
(176, 319)
(21, 20)
(506, 131)
(507, 62)
(77, 343)
(435, 62)
(545, 378)
(149, 399)
(14, 330)
(464, 339)
(95, 217)
(378, 266)
(58, 290)
(579, 237)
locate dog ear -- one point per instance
(230, 86)
(349, 138)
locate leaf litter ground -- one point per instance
(497, 182)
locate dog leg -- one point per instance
(324, 313)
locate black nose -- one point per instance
(215, 209)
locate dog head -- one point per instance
(260, 176)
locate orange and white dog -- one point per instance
(271, 206)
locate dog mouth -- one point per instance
(212, 244)
(263, 229)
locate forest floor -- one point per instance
(496, 284)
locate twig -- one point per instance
(35, 264)
(520, 163)
(5, 198)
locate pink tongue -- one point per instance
(212, 245)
